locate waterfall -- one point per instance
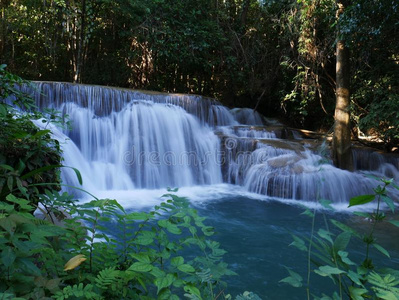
(123, 140)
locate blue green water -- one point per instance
(257, 235)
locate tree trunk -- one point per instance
(342, 152)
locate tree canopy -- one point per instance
(275, 56)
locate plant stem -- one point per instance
(375, 220)
(309, 254)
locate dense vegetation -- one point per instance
(275, 56)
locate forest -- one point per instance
(277, 57)
(199, 149)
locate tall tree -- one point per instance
(342, 152)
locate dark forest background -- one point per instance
(277, 56)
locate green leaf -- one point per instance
(78, 175)
(294, 279)
(145, 238)
(8, 225)
(29, 266)
(382, 250)
(356, 293)
(41, 133)
(141, 267)
(326, 203)
(325, 235)
(138, 216)
(193, 290)
(389, 202)
(394, 222)
(345, 259)
(8, 256)
(7, 167)
(342, 241)
(360, 200)
(40, 170)
(24, 204)
(345, 228)
(355, 277)
(362, 214)
(186, 268)
(177, 261)
(308, 213)
(163, 282)
(143, 257)
(298, 243)
(3, 110)
(328, 271)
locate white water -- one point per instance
(127, 143)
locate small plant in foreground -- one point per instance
(328, 253)
(146, 257)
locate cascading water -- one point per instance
(124, 140)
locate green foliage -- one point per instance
(28, 155)
(275, 56)
(146, 258)
(328, 253)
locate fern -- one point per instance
(385, 287)
(205, 276)
(78, 291)
(107, 277)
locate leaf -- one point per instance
(325, 235)
(345, 228)
(138, 216)
(145, 238)
(8, 256)
(389, 202)
(299, 243)
(356, 293)
(355, 277)
(308, 213)
(177, 261)
(29, 266)
(3, 110)
(141, 267)
(40, 170)
(74, 262)
(294, 279)
(362, 214)
(193, 290)
(385, 287)
(41, 133)
(186, 268)
(7, 167)
(143, 257)
(78, 175)
(326, 204)
(172, 228)
(344, 258)
(394, 222)
(342, 241)
(328, 271)
(163, 282)
(8, 224)
(382, 250)
(360, 200)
